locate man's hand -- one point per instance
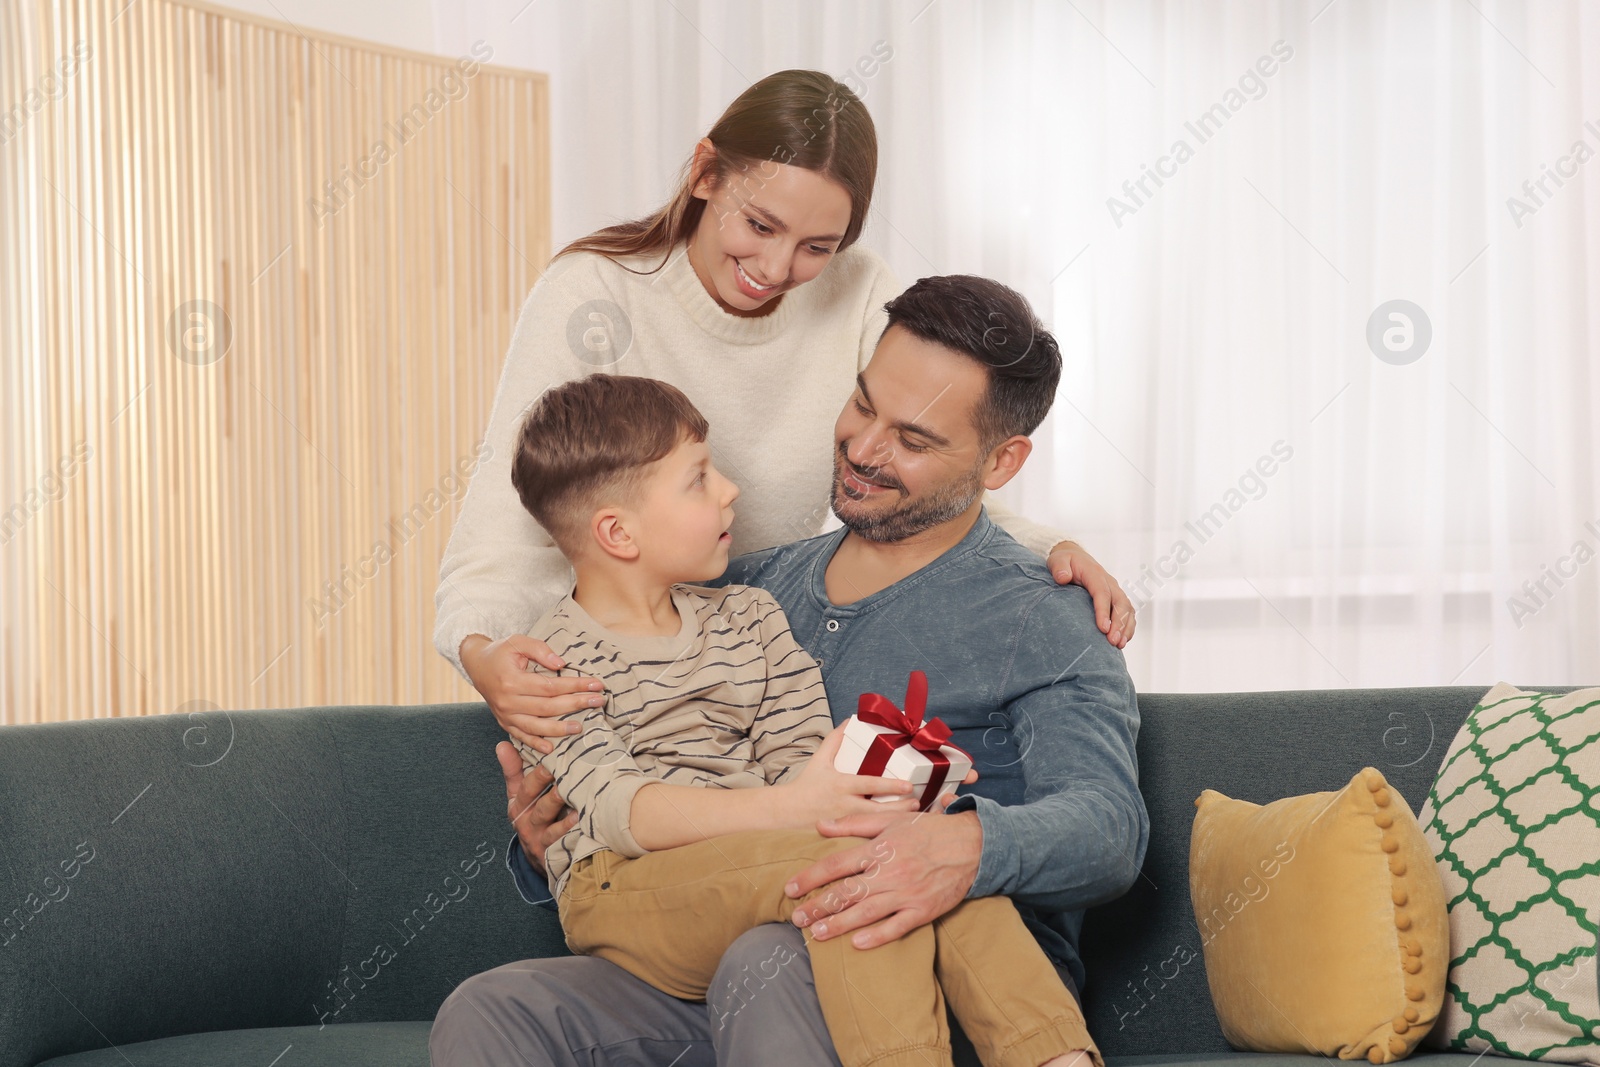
(1113, 611)
(916, 868)
(538, 824)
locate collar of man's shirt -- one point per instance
(817, 552)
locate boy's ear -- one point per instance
(610, 529)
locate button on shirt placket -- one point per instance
(824, 643)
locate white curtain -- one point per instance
(1290, 509)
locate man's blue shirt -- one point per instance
(1028, 685)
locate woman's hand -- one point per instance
(819, 792)
(1113, 611)
(524, 702)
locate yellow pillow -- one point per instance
(1323, 921)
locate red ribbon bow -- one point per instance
(907, 728)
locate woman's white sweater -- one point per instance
(771, 388)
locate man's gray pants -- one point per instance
(578, 1011)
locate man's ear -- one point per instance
(1006, 460)
(704, 152)
(609, 528)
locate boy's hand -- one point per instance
(525, 703)
(538, 822)
(820, 792)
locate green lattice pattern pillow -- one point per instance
(1514, 821)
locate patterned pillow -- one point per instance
(1514, 821)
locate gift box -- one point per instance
(882, 739)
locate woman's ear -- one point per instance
(704, 154)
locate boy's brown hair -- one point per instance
(586, 443)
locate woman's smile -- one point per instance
(748, 285)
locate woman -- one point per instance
(748, 292)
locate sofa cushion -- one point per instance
(1322, 919)
(1514, 819)
(338, 1045)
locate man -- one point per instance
(917, 578)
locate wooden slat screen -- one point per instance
(256, 285)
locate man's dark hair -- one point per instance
(995, 325)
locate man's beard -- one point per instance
(911, 517)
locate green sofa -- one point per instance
(303, 888)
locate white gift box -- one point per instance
(905, 762)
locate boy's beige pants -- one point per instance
(668, 916)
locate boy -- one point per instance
(694, 785)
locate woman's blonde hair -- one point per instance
(803, 118)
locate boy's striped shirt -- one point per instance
(730, 702)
